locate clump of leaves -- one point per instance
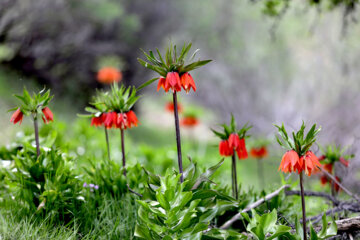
(33, 105)
(46, 184)
(181, 211)
(265, 226)
(299, 142)
(172, 61)
(232, 128)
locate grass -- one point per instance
(115, 220)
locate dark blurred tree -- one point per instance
(277, 8)
(61, 42)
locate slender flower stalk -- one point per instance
(36, 132)
(123, 150)
(259, 154)
(178, 140)
(234, 177)
(303, 205)
(107, 143)
(261, 176)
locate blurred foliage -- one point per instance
(63, 43)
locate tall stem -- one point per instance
(107, 143)
(36, 130)
(234, 175)
(178, 141)
(303, 205)
(261, 177)
(123, 150)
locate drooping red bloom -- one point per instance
(161, 84)
(170, 107)
(189, 121)
(290, 162)
(48, 115)
(131, 119)
(187, 82)
(98, 121)
(172, 82)
(241, 150)
(109, 75)
(311, 162)
(259, 152)
(225, 149)
(110, 119)
(17, 117)
(121, 121)
(234, 141)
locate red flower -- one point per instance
(322, 157)
(131, 119)
(172, 81)
(225, 149)
(189, 121)
(97, 121)
(234, 141)
(241, 150)
(109, 75)
(161, 84)
(121, 121)
(259, 152)
(329, 168)
(311, 162)
(110, 119)
(170, 107)
(48, 115)
(344, 162)
(17, 117)
(187, 82)
(290, 162)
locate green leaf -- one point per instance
(147, 83)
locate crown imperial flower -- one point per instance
(131, 119)
(187, 82)
(48, 115)
(260, 152)
(225, 149)
(109, 75)
(17, 117)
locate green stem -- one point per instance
(178, 140)
(123, 150)
(107, 143)
(261, 176)
(36, 130)
(234, 176)
(303, 206)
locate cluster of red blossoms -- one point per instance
(116, 120)
(109, 75)
(18, 116)
(234, 143)
(292, 162)
(174, 82)
(329, 167)
(170, 107)
(189, 121)
(260, 152)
